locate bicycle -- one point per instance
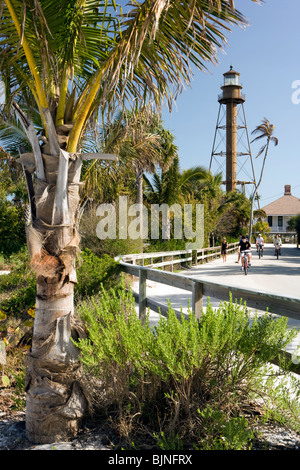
(244, 259)
(259, 250)
(277, 250)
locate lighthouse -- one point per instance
(232, 120)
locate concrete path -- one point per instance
(280, 276)
(269, 274)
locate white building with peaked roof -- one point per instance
(280, 211)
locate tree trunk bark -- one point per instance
(55, 399)
(255, 192)
(139, 184)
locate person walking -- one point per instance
(224, 247)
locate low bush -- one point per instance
(94, 271)
(18, 287)
(12, 227)
(21, 299)
(167, 245)
(183, 383)
(18, 267)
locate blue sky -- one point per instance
(266, 54)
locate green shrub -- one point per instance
(12, 227)
(94, 271)
(18, 287)
(21, 298)
(222, 433)
(166, 378)
(167, 245)
(18, 265)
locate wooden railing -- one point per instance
(171, 258)
(260, 300)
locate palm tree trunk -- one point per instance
(255, 192)
(139, 183)
(55, 399)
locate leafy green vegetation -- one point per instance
(183, 382)
(94, 272)
(18, 287)
(12, 227)
(176, 385)
(297, 226)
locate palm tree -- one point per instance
(71, 60)
(210, 193)
(265, 131)
(291, 223)
(169, 185)
(172, 185)
(260, 214)
(134, 137)
(209, 188)
(235, 215)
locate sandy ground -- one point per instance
(267, 274)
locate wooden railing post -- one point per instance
(197, 298)
(142, 295)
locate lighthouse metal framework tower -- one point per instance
(231, 153)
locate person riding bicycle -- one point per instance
(260, 243)
(245, 246)
(277, 244)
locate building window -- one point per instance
(280, 221)
(270, 220)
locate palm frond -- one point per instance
(265, 131)
(161, 39)
(12, 135)
(262, 149)
(110, 58)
